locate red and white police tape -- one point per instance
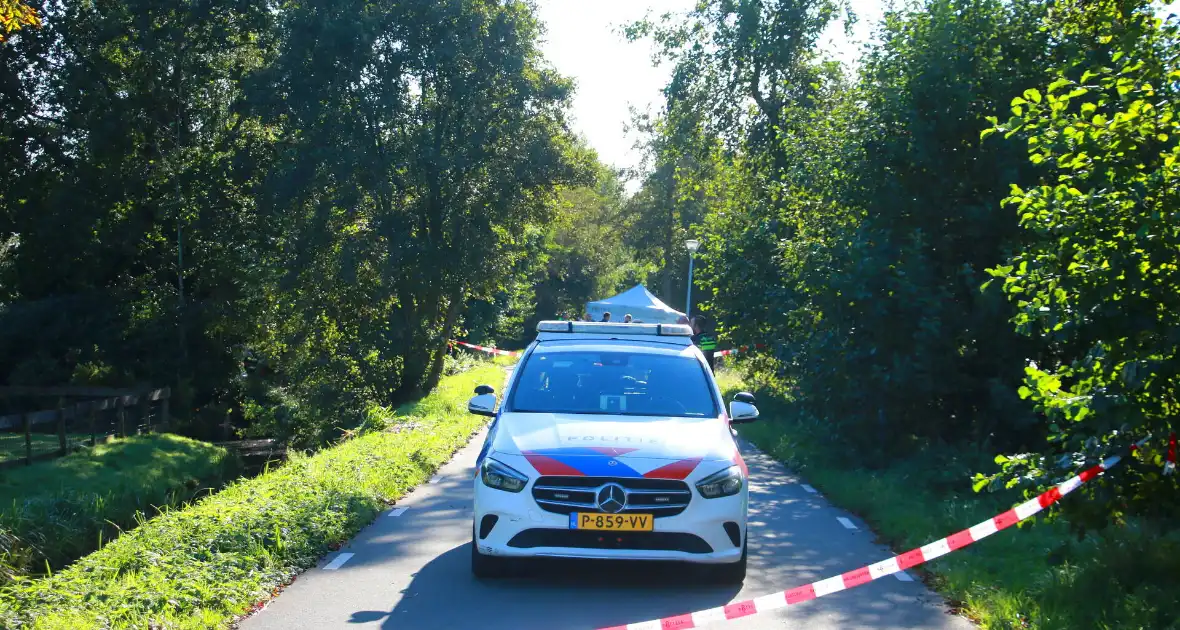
(738, 350)
(1170, 462)
(486, 349)
(866, 574)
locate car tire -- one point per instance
(486, 567)
(733, 573)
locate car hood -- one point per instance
(594, 445)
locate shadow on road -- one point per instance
(548, 594)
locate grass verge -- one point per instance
(54, 512)
(200, 566)
(1034, 577)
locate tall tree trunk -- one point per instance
(440, 350)
(417, 359)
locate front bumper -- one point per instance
(523, 529)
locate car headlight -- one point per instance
(725, 483)
(501, 476)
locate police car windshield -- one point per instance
(613, 383)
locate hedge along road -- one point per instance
(410, 569)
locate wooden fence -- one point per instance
(68, 419)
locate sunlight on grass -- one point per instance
(59, 510)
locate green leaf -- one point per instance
(1057, 85)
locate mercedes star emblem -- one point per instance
(612, 498)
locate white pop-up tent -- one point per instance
(639, 302)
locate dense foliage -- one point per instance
(281, 210)
(854, 221)
(1099, 282)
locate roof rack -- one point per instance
(662, 330)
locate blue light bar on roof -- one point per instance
(664, 330)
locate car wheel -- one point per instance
(734, 573)
(486, 567)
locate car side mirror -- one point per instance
(742, 409)
(484, 401)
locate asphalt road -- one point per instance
(410, 570)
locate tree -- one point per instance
(316, 190)
(849, 219)
(1098, 283)
(926, 354)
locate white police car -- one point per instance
(611, 441)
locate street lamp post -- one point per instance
(693, 245)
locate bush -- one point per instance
(200, 566)
(57, 511)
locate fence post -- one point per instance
(164, 396)
(93, 424)
(145, 411)
(120, 418)
(28, 439)
(61, 427)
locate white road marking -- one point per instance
(338, 561)
(398, 511)
(435, 479)
(902, 576)
(846, 523)
(809, 488)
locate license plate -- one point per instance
(612, 522)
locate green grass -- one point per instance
(1037, 576)
(199, 566)
(469, 360)
(56, 511)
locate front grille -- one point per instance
(588, 539)
(565, 495)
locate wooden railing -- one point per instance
(84, 415)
